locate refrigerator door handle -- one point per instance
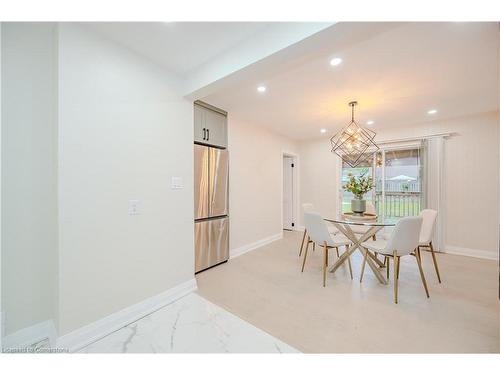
(208, 134)
(204, 134)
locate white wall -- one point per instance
(1, 308)
(471, 179)
(498, 121)
(471, 175)
(319, 177)
(29, 174)
(124, 132)
(255, 182)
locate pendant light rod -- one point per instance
(352, 105)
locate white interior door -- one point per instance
(288, 193)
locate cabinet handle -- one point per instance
(204, 134)
(208, 134)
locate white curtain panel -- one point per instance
(434, 197)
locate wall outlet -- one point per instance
(177, 183)
(134, 207)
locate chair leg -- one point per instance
(435, 262)
(422, 276)
(302, 243)
(396, 266)
(325, 263)
(314, 246)
(363, 266)
(399, 264)
(338, 256)
(305, 255)
(388, 260)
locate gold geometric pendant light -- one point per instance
(354, 144)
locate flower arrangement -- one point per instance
(359, 186)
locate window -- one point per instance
(397, 174)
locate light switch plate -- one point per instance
(134, 207)
(177, 183)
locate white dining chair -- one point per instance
(308, 207)
(404, 240)
(319, 234)
(428, 224)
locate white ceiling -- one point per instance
(396, 75)
(179, 46)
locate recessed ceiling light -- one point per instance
(335, 61)
(261, 89)
(322, 130)
(432, 111)
(370, 122)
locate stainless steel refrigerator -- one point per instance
(211, 224)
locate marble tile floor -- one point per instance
(189, 325)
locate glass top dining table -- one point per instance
(373, 225)
(368, 222)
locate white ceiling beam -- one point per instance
(204, 80)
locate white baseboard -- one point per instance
(254, 245)
(456, 250)
(84, 336)
(299, 228)
(31, 335)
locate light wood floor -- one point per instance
(266, 288)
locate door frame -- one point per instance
(295, 188)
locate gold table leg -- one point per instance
(376, 260)
(356, 244)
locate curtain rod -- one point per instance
(419, 138)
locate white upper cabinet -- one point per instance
(215, 124)
(200, 131)
(210, 126)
